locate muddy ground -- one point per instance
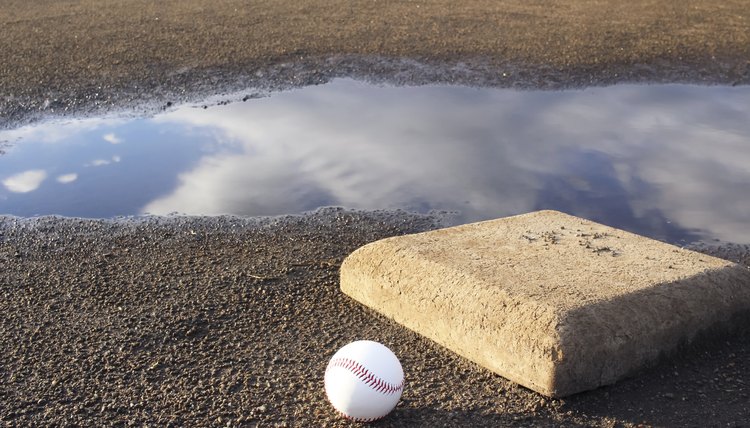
(85, 56)
(230, 322)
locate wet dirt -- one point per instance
(81, 57)
(220, 321)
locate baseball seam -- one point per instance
(366, 376)
(352, 418)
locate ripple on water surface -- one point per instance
(667, 161)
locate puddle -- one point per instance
(667, 161)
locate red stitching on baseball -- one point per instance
(366, 376)
(352, 418)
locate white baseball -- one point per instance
(364, 381)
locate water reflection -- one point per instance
(670, 161)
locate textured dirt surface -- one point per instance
(89, 55)
(223, 321)
(230, 322)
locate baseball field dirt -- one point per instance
(192, 321)
(86, 56)
(222, 321)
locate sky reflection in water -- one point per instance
(667, 161)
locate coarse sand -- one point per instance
(198, 321)
(225, 321)
(87, 56)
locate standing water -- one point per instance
(667, 161)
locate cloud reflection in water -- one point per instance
(661, 160)
(656, 155)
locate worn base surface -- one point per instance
(553, 302)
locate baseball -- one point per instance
(364, 381)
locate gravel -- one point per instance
(228, 321)
(88, 57)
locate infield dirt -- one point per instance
(87, 56)
(229, 322)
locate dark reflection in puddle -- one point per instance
(667, 161)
